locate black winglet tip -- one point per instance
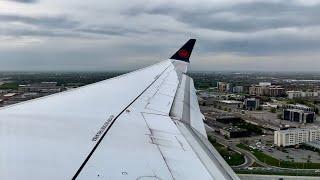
(184, 53)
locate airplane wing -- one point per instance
(142, 125)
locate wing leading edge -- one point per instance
(145, 124)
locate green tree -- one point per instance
(273, 110)
(259, 108)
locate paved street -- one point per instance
(249, 158)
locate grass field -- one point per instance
(14, 86)
(231, 157)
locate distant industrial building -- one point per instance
(251, 104)
(234, 132)
(291, 137)
(302, 94)
(297, 115)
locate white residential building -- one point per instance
(295, 136)
(314, 134)
(302, 94)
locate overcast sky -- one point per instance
(103, 35)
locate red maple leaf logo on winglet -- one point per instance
(183, 53)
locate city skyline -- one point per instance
(245, 35)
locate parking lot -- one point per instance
(288, 154)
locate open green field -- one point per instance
(14, 86)
(276, 162)
(231, 157)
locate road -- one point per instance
(249, 158)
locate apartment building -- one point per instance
(302, 94)
(266, 90)
(291, 137)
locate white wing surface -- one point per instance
(142, 125)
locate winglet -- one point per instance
(183, 54)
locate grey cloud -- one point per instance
(62, 26)
(246, 26)
(109, 30)
(45, 21)
(24, 1)
(243, 17)
(43, 26)
(261, 46)
(38, 33)
(111, 34)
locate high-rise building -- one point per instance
(276, 91)
(257, 90)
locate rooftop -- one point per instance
(231, 102)
(9, 95)
(295, 130)
(234, 129)
(251, 99)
